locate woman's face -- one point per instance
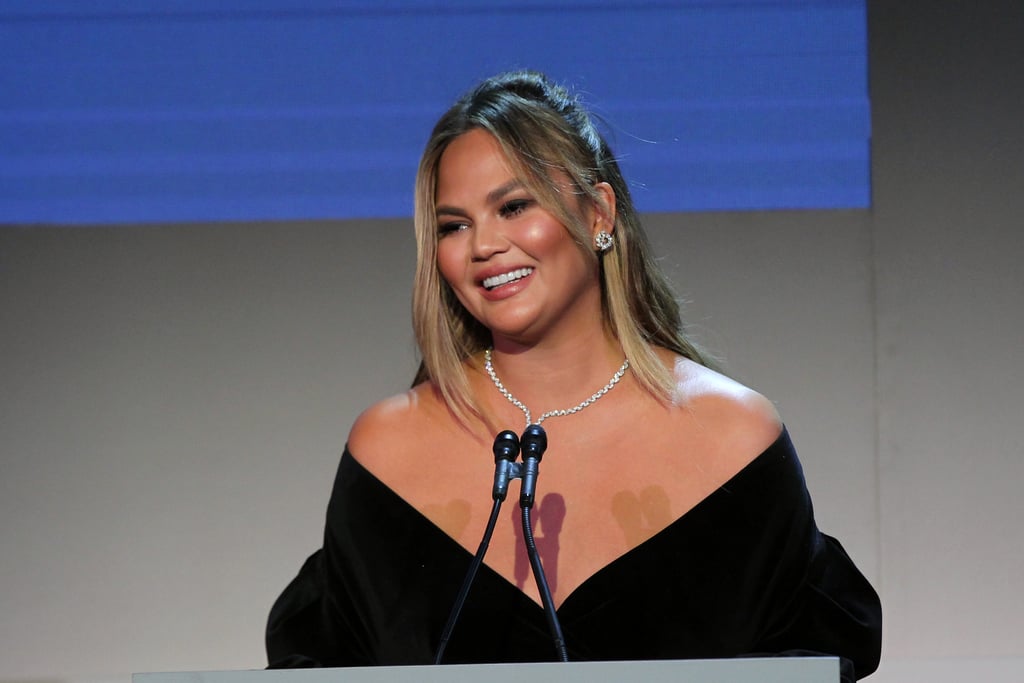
(511, 263)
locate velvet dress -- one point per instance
(746, 572)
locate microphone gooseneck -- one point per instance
(533, 443)
(506, 450)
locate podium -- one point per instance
(753, 670)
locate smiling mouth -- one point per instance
(505, 278)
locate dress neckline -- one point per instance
(777, 451)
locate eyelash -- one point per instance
(509, 209)
(514, 207)
(449, 228)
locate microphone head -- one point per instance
(534, 442)
(506, 446)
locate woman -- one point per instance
(674, 517)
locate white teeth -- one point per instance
(505, 278)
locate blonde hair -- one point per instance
(543, 131)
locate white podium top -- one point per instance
(767, 670)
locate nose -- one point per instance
(487, 240)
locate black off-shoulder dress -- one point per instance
(744, 573)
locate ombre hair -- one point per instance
(547, 137)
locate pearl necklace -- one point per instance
(489, 367)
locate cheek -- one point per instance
(447, 262)
(547, 237)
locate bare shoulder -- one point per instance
(736, 418)
(377, 423)
(388, 427)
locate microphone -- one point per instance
(506, 450)
(533, 443)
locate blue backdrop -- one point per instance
(195, 110)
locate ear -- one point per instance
(604, 210)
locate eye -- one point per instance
(450, 227)
(514, 207)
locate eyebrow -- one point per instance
(493, 196)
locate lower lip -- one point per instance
(505, 291)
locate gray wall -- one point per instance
(174, 398)
(948, 97)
